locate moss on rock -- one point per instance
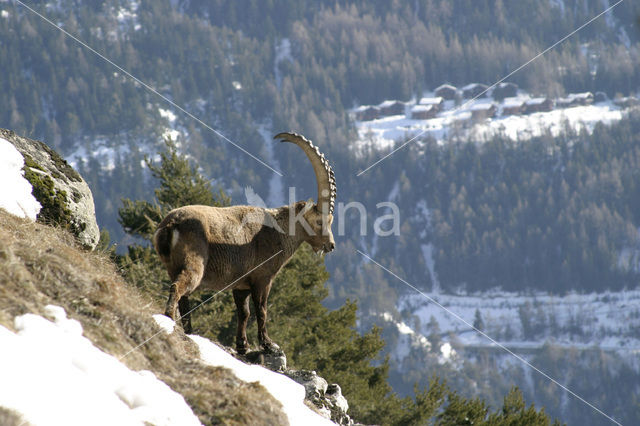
(55, 210)
(61, 164)
(65, 198)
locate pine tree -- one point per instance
(180, 185)
(515, 412)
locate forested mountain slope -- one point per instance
(220, 61)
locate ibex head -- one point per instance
(319, 216)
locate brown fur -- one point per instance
(218, 248)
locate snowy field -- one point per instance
(289, 393)
(455, 122)
(107, 150)
(53, 375)
(609, 320)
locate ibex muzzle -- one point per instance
(218, 248)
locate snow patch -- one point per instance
(282, 53)
(175, 130)
(393, 194)
(53, 375)
(447, 353)
(427, 254)
(560, 5)
(165, 323)
(407, 339)
(16, 197)
(276, 185)
(168, 114)
(100, 149)
(171, 134)
(457, 123)
(285, 390)
(608, 320)
(128, 17)
(554, 122)
(608, 17)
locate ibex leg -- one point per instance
(188, 279)
(260, 295)
(185, 314)
(241, 297)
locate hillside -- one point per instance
(43, 274)
(484, 118)
(276, 66)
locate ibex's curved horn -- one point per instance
(324, 174)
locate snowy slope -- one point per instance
(107, 150)
(608, 320)
(289, 393)
(15, 196)
(52, 375)
(456, 122)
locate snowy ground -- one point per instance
(52, 375)
(522, 127)
(455, 122)
(15, 196)
(106, 150)
(289, 393)
(100, 149)
(609, 320)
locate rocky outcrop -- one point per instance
(326, 398)
(65, 197)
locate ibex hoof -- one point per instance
(270, 348)
(242, 347)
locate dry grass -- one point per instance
(11, 418)
(40, 265)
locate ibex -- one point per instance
(217, 247)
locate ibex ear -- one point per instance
(304, 206)
(309, 205)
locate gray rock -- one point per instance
(326, 398)
(338, 405)
(314, 385)
(65, 197)
(274, 360)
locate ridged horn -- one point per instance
(324, 174)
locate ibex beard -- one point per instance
(216, 247)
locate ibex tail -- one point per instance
(162, 240)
